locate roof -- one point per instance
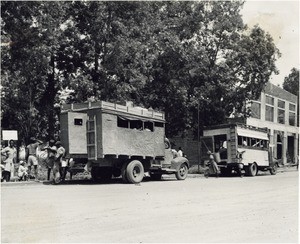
(115, 109)
(221, 126)
(279, 92)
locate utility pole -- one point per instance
(198, 144)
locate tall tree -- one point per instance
(291, 84)
(171, 56)
(34, 30)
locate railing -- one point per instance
(114, 107)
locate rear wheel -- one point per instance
(252, 169)
(135, 172)
(105, 174)
(123, 172)
(181, 174)
(95, 174)
(273, 169)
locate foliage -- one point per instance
(291, 82)
(171, 56)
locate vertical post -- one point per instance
(198, 144)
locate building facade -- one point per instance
(276, 109)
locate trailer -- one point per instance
(238, 147)
(119, 140)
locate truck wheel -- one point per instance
(155, 176)
(105, 174)
(95, 174)
(181, 174)
(273, 169)
(123, 172)
(135, 171)
(251, 169)
(116, 172)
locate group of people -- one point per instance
(52, 153)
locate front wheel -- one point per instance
(135, 172)
(181, 174)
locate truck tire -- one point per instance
(95, 174)
(273, 169)
(251, 170)
(135, 172)
(123, 173)
(182, 172)
(105, 174)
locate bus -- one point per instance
(238, 148)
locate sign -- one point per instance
(9, 135)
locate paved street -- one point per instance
(231, 209)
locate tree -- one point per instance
(291, 84)
(35, 32)
(171, 56)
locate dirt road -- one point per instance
(259, 209)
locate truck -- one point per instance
(238, 147)
(119, 140)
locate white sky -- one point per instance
(281, 20)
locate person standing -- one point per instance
(58, 161)
(180, 152)
(22, 151)
(10, 153)
(51, 154)
(50, 157)
(32, 157)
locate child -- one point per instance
(22, 172)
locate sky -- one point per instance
(281, 20)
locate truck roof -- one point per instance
(114, 108)
(236, 125)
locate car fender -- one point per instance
(178, 161)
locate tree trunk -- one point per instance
(51, 92)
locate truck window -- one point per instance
(123, 122)
(219, 141)
(221, 145)
(78, 121)
(148, 126)
(136, 124)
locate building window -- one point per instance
(281, 112)
(292, 114)
(292, 118)
(269, 108)
(292, 107)
(281, 104)
(269, 100)
(269, 113)
(255, 110)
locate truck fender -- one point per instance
(178, 161)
